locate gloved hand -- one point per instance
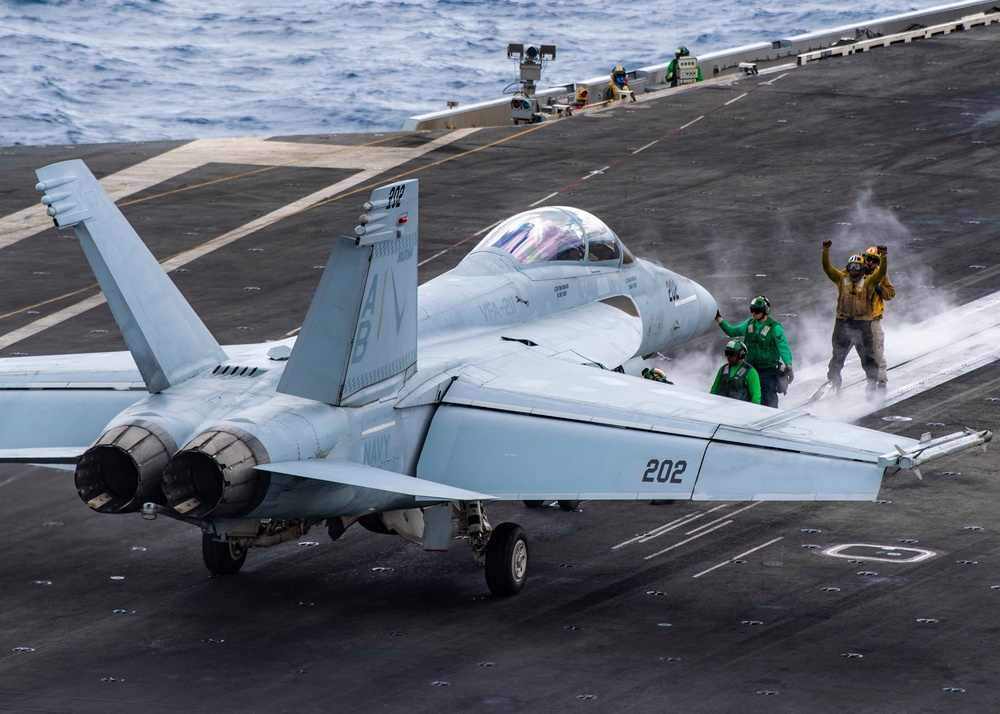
(789, 374)
(827, 243)
(878, 289)
(882, 249)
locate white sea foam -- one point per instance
(91, 71)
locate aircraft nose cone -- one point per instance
(707, 308)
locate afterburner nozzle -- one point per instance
(213, 475)
(124, 468)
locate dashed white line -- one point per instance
(737, 557)
(697, 119)
(543, 200)
(667, 527)
(643, 148)
(728, 515)
(683, 542)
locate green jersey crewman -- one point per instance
(766, 345)
(736, 379)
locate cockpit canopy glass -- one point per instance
(555, 233)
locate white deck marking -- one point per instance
(683, 542)
(919, 553)
(737, 557)
(664, 528)
(728, 515)
(667, 527)
(542, 200)
(197, 153)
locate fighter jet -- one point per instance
(406, 408)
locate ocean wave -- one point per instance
(175, 69)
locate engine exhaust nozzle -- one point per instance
(124, 468)
(213, 475)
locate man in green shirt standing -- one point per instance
(766, 346)
(737, 379)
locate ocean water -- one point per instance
(92, 71)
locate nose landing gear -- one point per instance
(503, 550)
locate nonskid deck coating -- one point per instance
(897, 146)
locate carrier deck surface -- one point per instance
(716, 608)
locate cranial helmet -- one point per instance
(872, 255)
(737, 348)
(855, 263)
(761, 303)
(656, 374)
(682, 51)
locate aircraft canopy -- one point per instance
(556, 233)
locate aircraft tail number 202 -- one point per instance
(395, 196)
(664, 471)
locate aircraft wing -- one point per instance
(606, 333)
(349, 473)
(54, 407)
(526, 427)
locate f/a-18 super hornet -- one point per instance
(405, 408)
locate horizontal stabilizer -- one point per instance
(46, 425)
(48, 455)
(168, 340)
(352, 474)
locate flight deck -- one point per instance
(881, 606)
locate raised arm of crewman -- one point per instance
(838, 275)
(835, 275)
(885, 289)
(875, 279)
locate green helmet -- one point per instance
(760, 303)
(682, 51)
(656, 374)
(737, 348)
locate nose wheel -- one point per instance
(507, 560)
(501, 551)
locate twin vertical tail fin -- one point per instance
(361, 327)
(168, 340)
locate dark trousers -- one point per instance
(768, 386)
(856, 334)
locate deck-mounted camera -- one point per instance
(529, 58)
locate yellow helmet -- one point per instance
(856, 263)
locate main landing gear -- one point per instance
(222, 557)
(564, 504)
(502, 551)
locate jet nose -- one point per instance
(707, 308)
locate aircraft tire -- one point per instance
(335, 527)
(569, 505)
(507, 560)
(533, 504)
(222, 558)
(374, 523)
